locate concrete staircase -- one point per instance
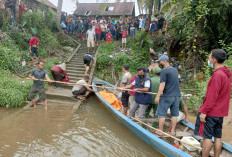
(75, 71)
(75, 68)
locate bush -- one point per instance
(13, 92)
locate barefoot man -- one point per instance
(216, 104)
(168, 95)
(38, 86)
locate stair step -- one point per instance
(76, 62)
(75, 77)
(75, 68)
(77, 65)
(76, 74)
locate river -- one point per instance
(91, 131)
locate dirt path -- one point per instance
(227, 125)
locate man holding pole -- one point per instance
(142, 84)
(168, 95)
(81, 87)
(125, 94)
(216, 104)
(38, 86)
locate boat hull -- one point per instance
(163, 147)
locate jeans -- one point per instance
(142, 108)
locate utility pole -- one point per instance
(59, 10)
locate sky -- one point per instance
(69, 6)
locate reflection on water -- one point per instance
(91, 131)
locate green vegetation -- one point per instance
(110, 59)
(13, 92)
(14, 49)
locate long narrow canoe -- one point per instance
(162, 145)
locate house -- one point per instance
(27, 4)
(34, 4)
(105, 9)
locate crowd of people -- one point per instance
(99, 29)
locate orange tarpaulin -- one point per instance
(111, 99)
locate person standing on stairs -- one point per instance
(90, 36)
(38, 86)
(88, 61)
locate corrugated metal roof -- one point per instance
(47, 2)
(124, 8)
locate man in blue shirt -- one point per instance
(38, 86)
(168, 95)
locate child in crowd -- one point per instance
(124, 36)
(132, 30)
(108, 37)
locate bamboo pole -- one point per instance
(166, 133)
(104, 87)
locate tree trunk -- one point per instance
(159, 6)
(150, 8)
(59, 10)
(17, 10)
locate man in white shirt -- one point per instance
(90, 36)
(103, 31)
(80, 90)
(125, 94)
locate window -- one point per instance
(88, 12)
(109, 8)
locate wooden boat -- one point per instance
(162, 144)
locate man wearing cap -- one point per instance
(142, 84)
(155, 81)
(168, 95)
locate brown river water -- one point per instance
(90, 131)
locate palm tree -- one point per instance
(59, 10)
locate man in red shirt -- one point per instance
(97, 33)
(33, 43)
(216, 104)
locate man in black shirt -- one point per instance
(161, 21)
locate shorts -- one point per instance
(64, 29)
(103, 35)
(87, 62)
(90, 42)
(34, 51)
(82, 91)
(124, 40)
(97, 37)
(125, 99)
(168, 102)
(211, 128)
(69, 28)
(37, 89)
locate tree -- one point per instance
(59, 10)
